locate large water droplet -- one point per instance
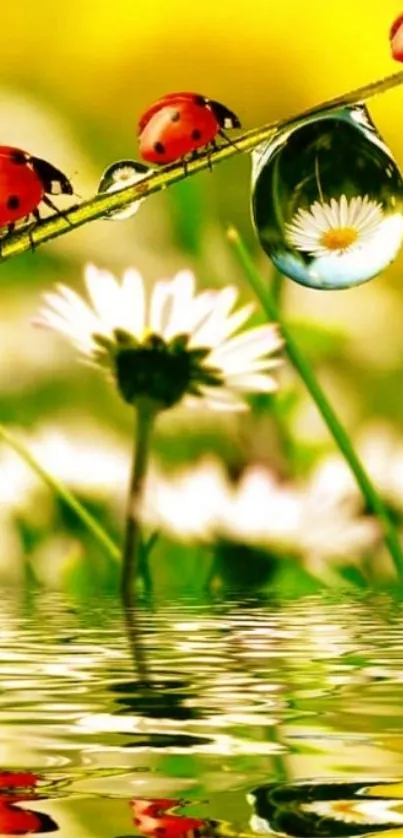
(328, 200)
(117, 176)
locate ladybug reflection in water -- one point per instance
(18, 787)
(26, 182)
(153, 817)
(180, 124)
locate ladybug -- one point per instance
(396, 39)
(19, 787)
(179, 124)
(26, 182)
(154, 818)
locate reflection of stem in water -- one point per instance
(135, 644)
(317, 178)
(276, 188)
(271, 733)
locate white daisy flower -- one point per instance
(170, 345)
(309, 520)
(336, 227)
(351, 238)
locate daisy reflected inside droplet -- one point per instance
(119, 175)
(328, 201)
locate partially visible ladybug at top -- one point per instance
(26, 182)
(178, 125)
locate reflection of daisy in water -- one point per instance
(336, 227)
(346, 237)
(370, 812)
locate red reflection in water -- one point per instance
(17, 787)
(153, 817)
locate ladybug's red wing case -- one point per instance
(177, 130)
(169, 99)
(25, 182)
(180, 124)
(21, 191)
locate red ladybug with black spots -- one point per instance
(396, 38)
(26, 182)
(180, 124)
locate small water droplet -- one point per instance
(327, 200)
(117, 176)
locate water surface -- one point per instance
(231, 717)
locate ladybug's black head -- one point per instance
(53, 180)
(46, 823)
(224, 117)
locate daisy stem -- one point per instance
(373, 500)
(132, 547)
(104, 203)
(61, 491)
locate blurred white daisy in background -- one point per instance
(380, 447)
(171, 345)
(90, 462)
(311, 521)
(87, 460)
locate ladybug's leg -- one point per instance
(193, 155)
(46, 200)
(9, 229)
(228, 139)
(210, 148)
(37, 217)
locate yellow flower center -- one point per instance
(338, 238)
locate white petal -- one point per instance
(218, 398)
(106, 297)
(182, 288)
(236, 366)
(253, 383)
(159, 312)
(254, 343)
(135, 303)
(344, 212)
(75, 305)
(211, 331)
(51, 320)
(75, 312)
(201, 308)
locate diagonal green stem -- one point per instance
(372, 499)
(63, 493)
(101, 204)
(132, 543)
